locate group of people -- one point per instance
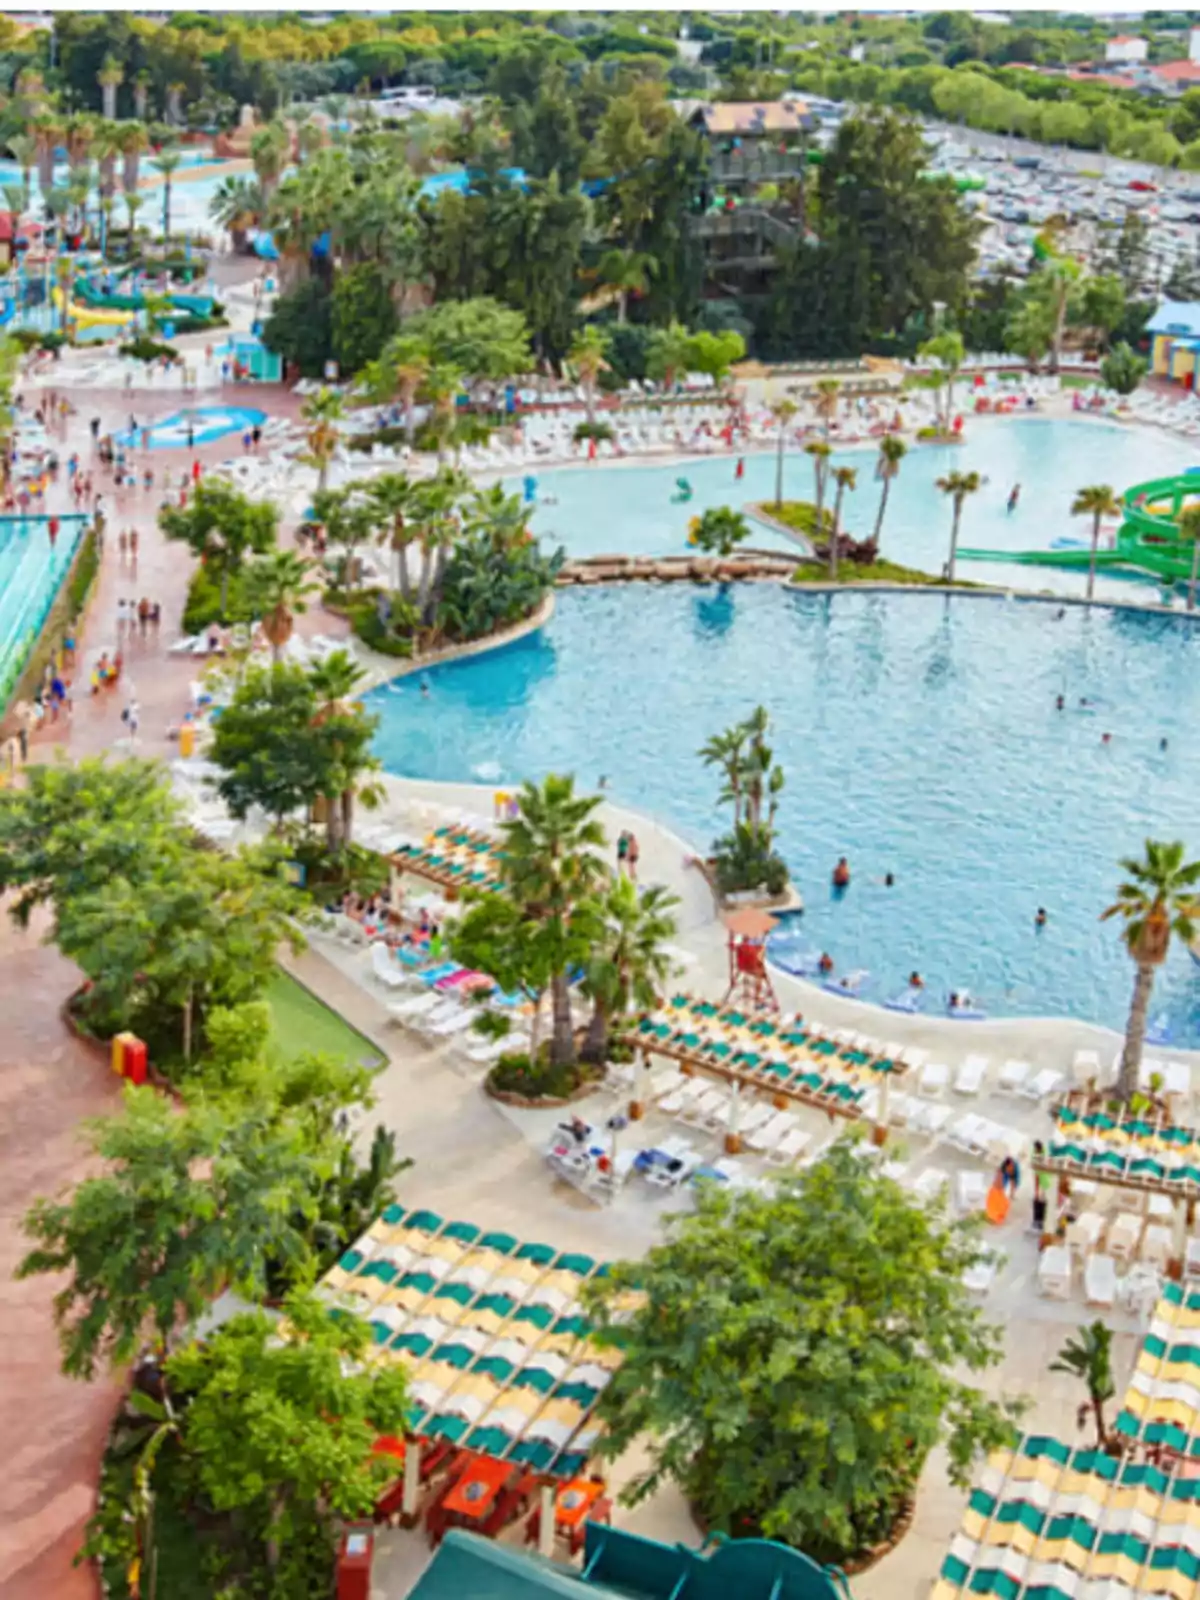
(140, 614)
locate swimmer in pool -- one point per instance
(825, 965)
(841, 874)
(1106, 738)
(424, 684)
(889, 879)
(1041, 919)
(1060, 703)
(1162, 744)
(915, 981)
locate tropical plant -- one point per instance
(279, 1430)
(802, 1400)
(827, 391)
(498, 936)
(441, 387)
(892, 451)
(1122, 369)
(188, 1203)
(586, 355)
(714, 354)
(406, 363)
(630, 962)
(1096, 502)
(23, 147)
(237, 206)
(667, 354)
(783, 411)
(1088, 1357)
(819, 451)
(347, 732)
(270, 151)
(844, 478)
(551, 870)
(957, 486)
(487, 586)
(746, 858)
(276, 588)
(624, 272)
(167, 163)
(1157, 899)
(321, 413)
(948, 352)
(221, 527)
(718, 531)
(110, 78)
(135, 141)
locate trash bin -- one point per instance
(355, 1554)
(187, 740)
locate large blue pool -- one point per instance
(628, 509)
(919, 736)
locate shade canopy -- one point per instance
(750, 922)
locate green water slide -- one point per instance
(1148, 541)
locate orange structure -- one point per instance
(748, 980)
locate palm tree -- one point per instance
(1156, 901)
(586, 355)
(1089, 1357)
(629, 963)
(552, 868)
(892, 451)
(47, 133)
(276, 588)
(270, 151)
(958, 485)
(334, 681)
(141, 94)
(393, 498)
(24, 152)
(1098, 502)
(827, 390)
(667, 353)
(322, 412)
(441, 387)
(434, 516)
(625, 272)
(237, 206)
(166, 163)
(107, 149)
(79, 187)
(783, 411)
(133, 204)
(503, 519)
(310, 137)
(409, 360)
(110, 78)
(135, 140)
(845, 478)
(820, 452)
(948, 351)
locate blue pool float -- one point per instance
(802, 964)
(909, 1000)
(850, 984)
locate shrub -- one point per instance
(86, 568)
(517, 1074)
(31, 339)
(146, 349)
(600, 431)
(745, 860)
(395, 434)
(203, 604)
(364, 619)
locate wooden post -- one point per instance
(641, 1084)
(879, 1135)
(733, 1139)
(546, 1528)
(412, 1479)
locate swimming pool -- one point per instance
(628, 509)
(920, 737)
(31, 571)
(206, 422)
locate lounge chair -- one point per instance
(385, 969)
(1054, 1272)
(935, 1075)
(968, 1080)
(790, 1148)
(1045, 1082)
(1012, 1076)
(1100, 1280)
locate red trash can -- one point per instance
(355, 1554)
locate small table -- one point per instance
(484, 1496)
(578, 1502)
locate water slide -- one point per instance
(86, 317)
(187, 305)
(1148, 541)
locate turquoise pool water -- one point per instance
(31, 571)
(206, 422)
(628, 509)
(919, 736)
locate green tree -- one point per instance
(630, 963)
(1122, 369)
(362, 316)
(794, 1357)
(347, 731)
(892, 451)
(844, 478)
(1102, 304)
(498, 936)
(946, 349)
(237, 206)
(221, 527)
(405, 365)
(481, 337)
(668, 353)
(1088, 1357)
(784, 412)
(1096, 502)
(280, 1430)
(1157, 899)
(551, 870)
(167, 164)
(586, 355)
(300, 327)
(819, 450)
(189, 1202)
(351, 519)
(622, 273)
(745, 857)
(715, 353)
(718, 531)
(276, 588)
(957, 486)
(322, 412)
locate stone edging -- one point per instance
(541, 1102)
(752, 566)
(387, 669)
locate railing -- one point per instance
(743, 220)
(766, 165)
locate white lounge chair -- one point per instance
(385, 969)
(1100, 1280)
(935, 1075)
(970, 1190)
(1012, 1076)
(968, 1080)
(1054, 1272)
(790, 1148)
(1043, 1083)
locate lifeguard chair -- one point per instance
(749, 984)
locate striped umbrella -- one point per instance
(1161, 1408)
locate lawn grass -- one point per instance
(850, 573)
(303, 1023)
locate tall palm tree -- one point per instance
(552, 868)
(1089, 1357)
(783, 411)
(237, 206)
(276, 588)
(47, 133)
(1189, 528)
(141, 94)
(133, 204)
(629, 963)
(586, 355)
(436, 526)
(958, 485)
(820, 451)
(892, 451)
(393, 498)
(503, 519)
(441, 388)
(107, 150)
(334, 681)
(667, 353)
(110, 78)
(1098, 502)
(1157, 899)
(322, 412)
(827, 392)
(135, 141)
(625, 272)
(270, 151)
(845, 478)
(166, 164)
(23, 147)
(408, 362)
